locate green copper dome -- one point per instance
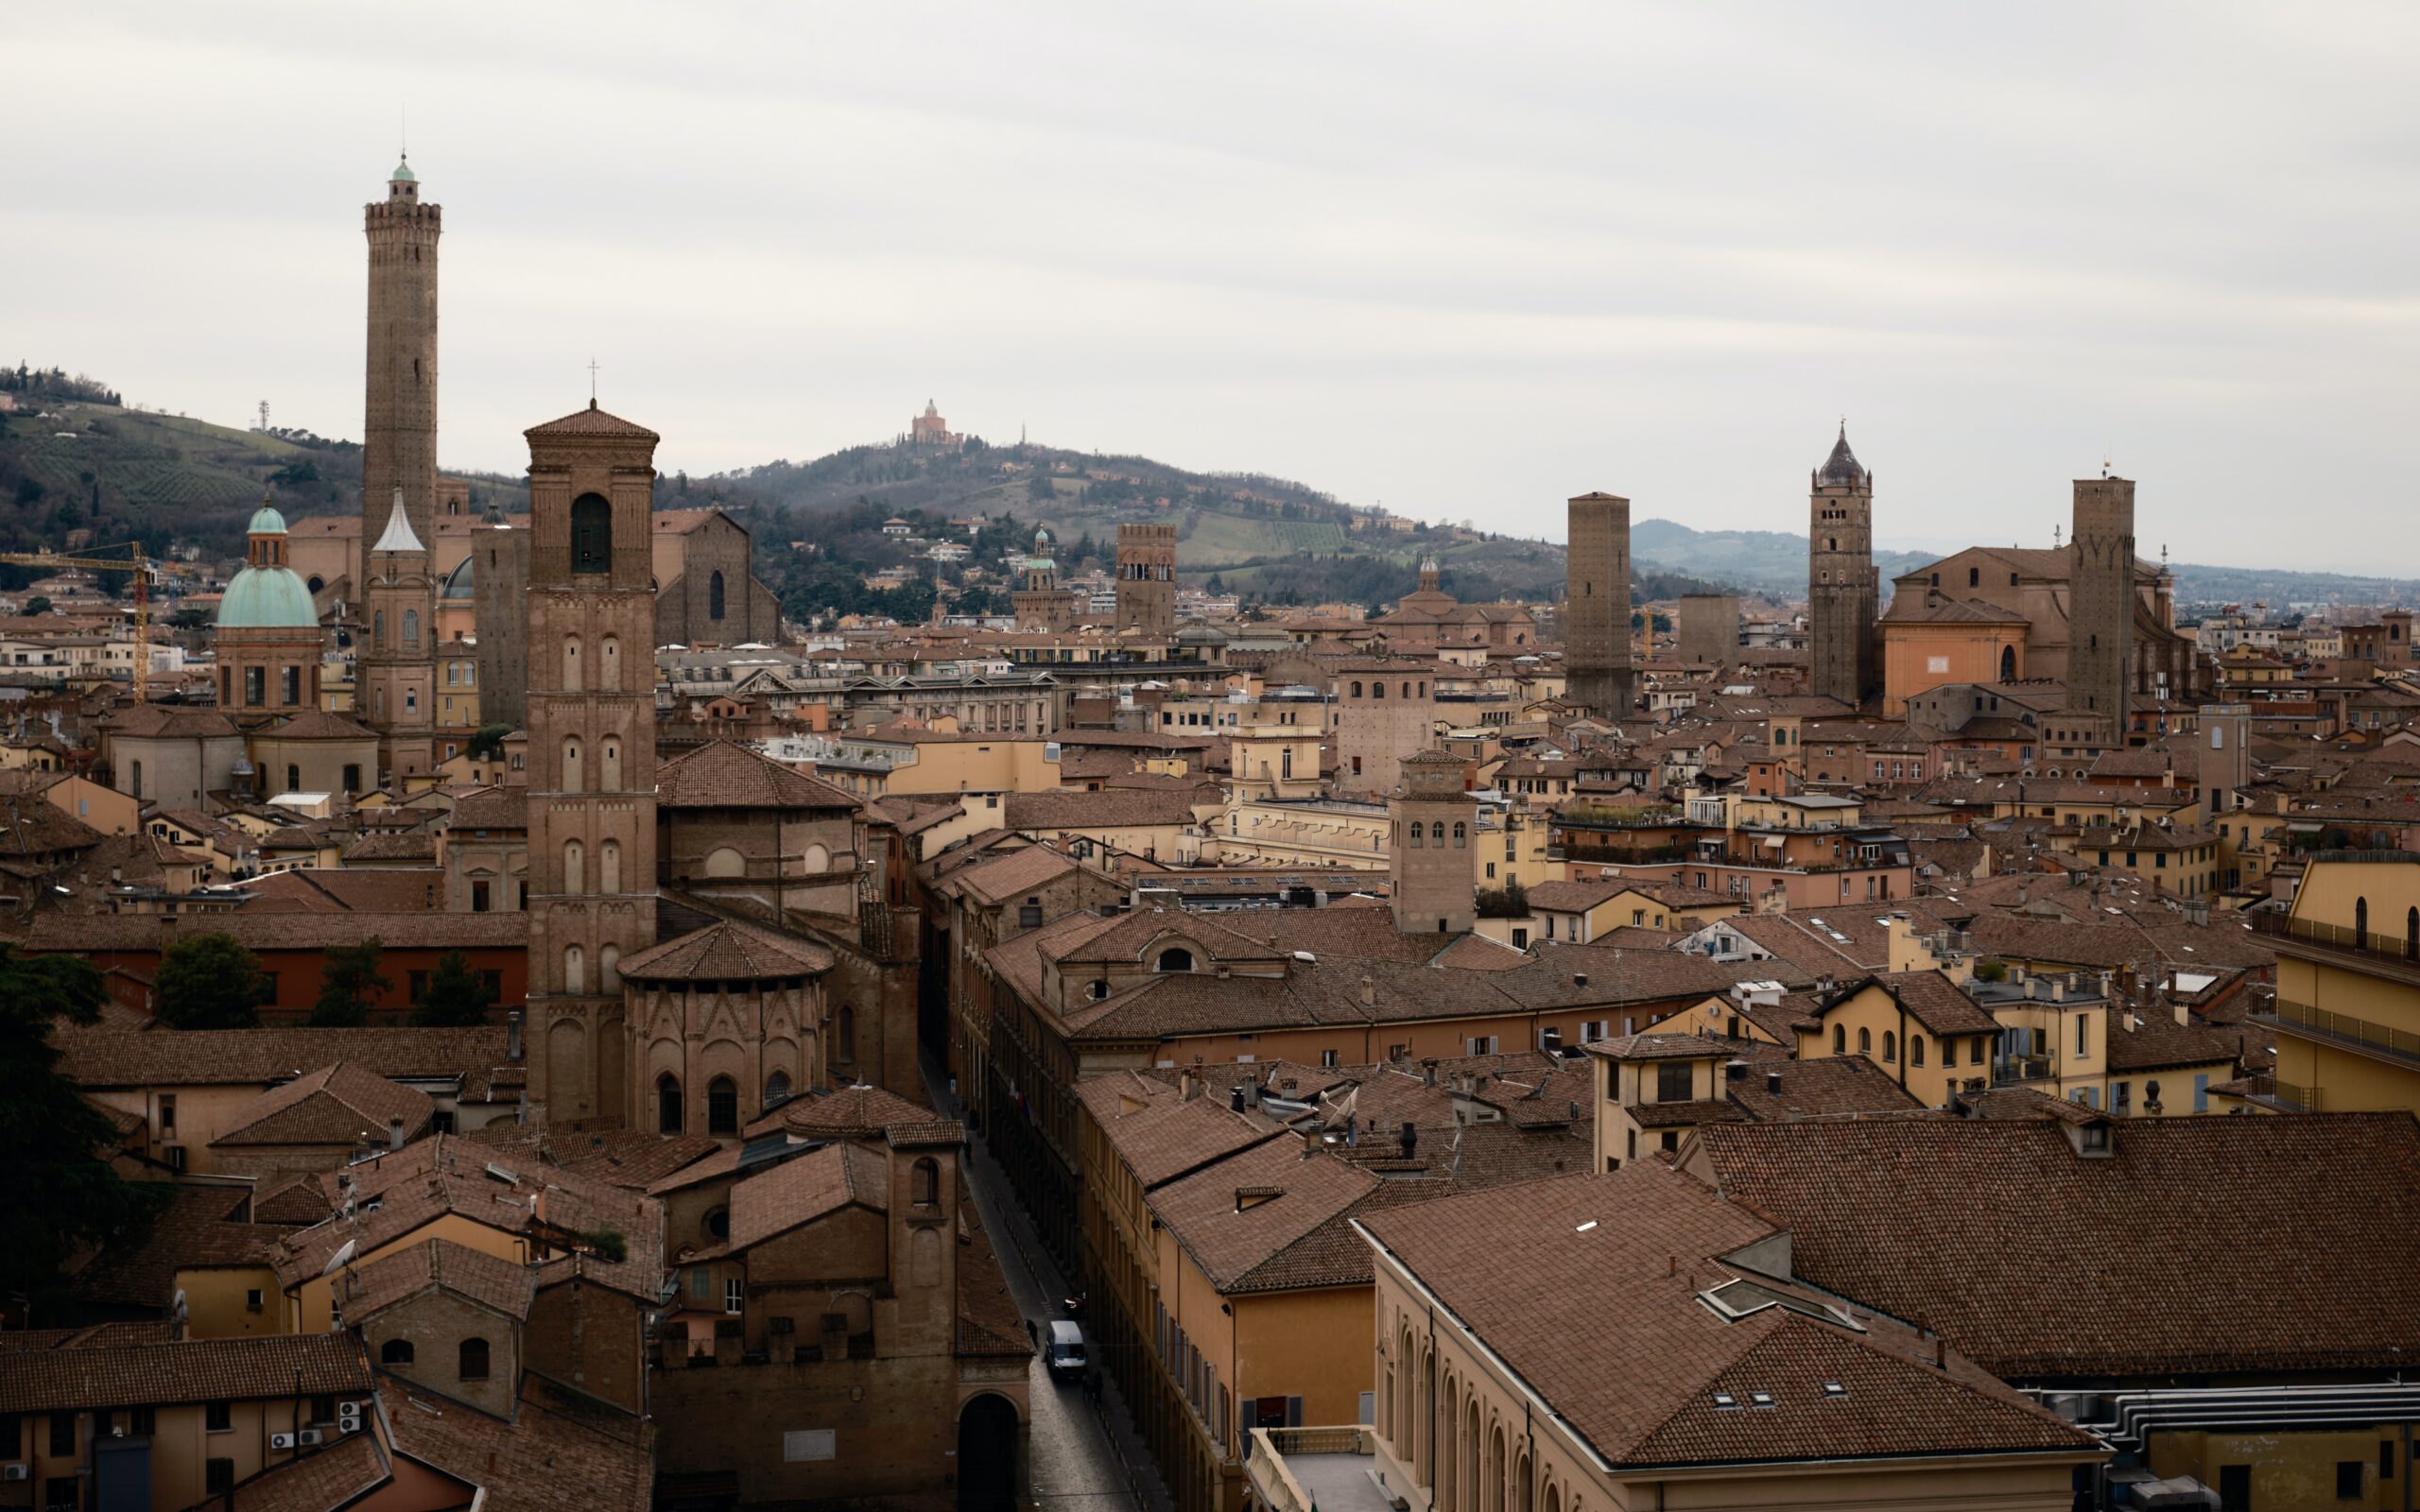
(457, 584)
(268, 598)
(403, 174)
(266, 522)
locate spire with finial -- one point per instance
(1842, 470)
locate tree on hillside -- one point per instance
(60, 1191)
(348, 980)
(455, 995)
(209, 982)
(38, 605)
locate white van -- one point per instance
(1064, 1353)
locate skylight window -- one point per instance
(1725, 1401)
(1833, 1389)
(1760, 1398)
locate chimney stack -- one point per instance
(1773, 1083)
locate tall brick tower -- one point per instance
(398, 448)
(1040, 603)
(2100, 601)
(1842, 590)
(1147, 578)
(1430, 821)
(591, 751)
(1597, 670)
(397, 663)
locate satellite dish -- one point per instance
(344, 1253)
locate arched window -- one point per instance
(575, 867)
(609, 675)
(1974, 578)
(2361, 921)
(718, 1225)
(610, 778)
(1377, 690)
(571, 663)
(472, 1361)
(315, 582)
(1866, 1041)
(378, 628)
(924, 1183)
(591, 534)
(138, 779)
(571, 779)
(1459, 834)
(1175, 958)
(722, 1106)
(575, 970)
(1437, 835)
(411, 627)
(1839, 1040)
(714, 596)
(293, 778)
(725, 861)
(395, 1351)
(1419, 834)
(1890, 1046)
(2008, 663)
(352, 777)
(1356, 688)
(1407, 690)
(609, 968)
(667, 1103)
(844, 1035)
(1915, 1050)
(777, 1088)
(608, 865)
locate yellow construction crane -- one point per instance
(136, 565)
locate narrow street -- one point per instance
(1082, 1454)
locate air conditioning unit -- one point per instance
(15, 1470)
(308, 1436)
(281, 1440)
(349, 1416)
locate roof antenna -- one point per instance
(404, 129)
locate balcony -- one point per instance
(2024, 1068)
(2343, 1029)
(2383, 955)
(1316, 1469)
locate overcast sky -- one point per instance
(1465, 260)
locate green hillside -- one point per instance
(129, 475)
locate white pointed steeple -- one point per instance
(398, 535)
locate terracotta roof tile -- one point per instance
(320, 1480)
(1641, 1243)
(336, 1104)
(492, 1282)
(724, 775)
(139, 1375)
(544, 1460)
(806, 1188)
(1944, 1219)
(728, 952)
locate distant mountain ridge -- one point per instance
(125, 473)
(1776, 561)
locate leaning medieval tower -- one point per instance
(1842, 590)
(591, 708)
(399, 461)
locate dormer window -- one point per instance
(1175, 958)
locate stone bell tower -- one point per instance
(1843, 592)
(1431, 822)
(591, 751)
